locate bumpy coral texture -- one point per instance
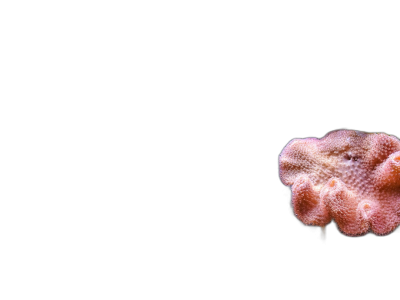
(350, 176)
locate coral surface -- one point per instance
(350, 176)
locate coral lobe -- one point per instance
(349, 176)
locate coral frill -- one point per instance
(349, 176)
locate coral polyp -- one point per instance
(349, 176)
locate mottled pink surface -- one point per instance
(349, 176)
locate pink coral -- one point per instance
(350, 176)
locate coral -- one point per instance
(349, 176)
